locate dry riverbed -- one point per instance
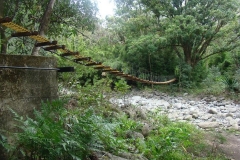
(210, 113)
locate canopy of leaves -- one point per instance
(199, 28)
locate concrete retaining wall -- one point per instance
(24, 89)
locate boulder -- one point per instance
(232, 110)
(188, 117)
(212, 111)
(135, 135)
(206, 125)
(206, 117)
(146, 129)
(177, 105)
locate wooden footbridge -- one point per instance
(48, 45)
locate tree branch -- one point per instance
(208, 41)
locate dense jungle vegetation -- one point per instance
(196, 41)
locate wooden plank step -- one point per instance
(69, 54)
(46, 44)
(5, 20)
(109, 70)
(54, 47)
(117, 73)
(93, 64)
(24, 34)
(82, 59)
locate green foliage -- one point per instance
(212, 84)
(191, 30)
(69, 17)
(230, 83)
(58, 132)
(166, 141)
(126, 125)
(62, 130)
(222, 61)
(190, 77)
(121, 86)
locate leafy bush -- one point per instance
(212, 84)
(169, 140)
(59, 133)
(230, 83)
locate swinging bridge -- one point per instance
(48, 45)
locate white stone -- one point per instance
(172, 115)
(188, 117)
(177, 105)
(206, 125)
(206, 117)
(229, 115)
(232, 110)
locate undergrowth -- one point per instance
(87, 124)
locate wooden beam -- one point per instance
(46, 44)
(66, 69)
(5, 20)
(93, 63)
(82, 59)
(54, 47)
(117, 73)
(69, 54)
(114, 71)
(109, 70)
(24, 34)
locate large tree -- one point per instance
(139, 41)
(197, 29)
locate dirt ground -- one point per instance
(231, 146)
(226, 143)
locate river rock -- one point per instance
(206, 125)
(234, 127)
(198, 111)
(106, 155)
(188, 117)
(232, 110)
(206, 116)
(195, 116)
(145, 129)
(130, 156)
(135, 135)
(229, 115)
(173, 115)
(212, 111)
(177, 105)
(238, 115)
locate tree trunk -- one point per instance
(1, 8)
(3, 48)
(3, 41)
(187, 54)
(44, 24)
